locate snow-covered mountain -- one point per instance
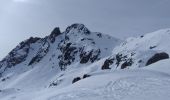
(52, 56)
(141, 51)
(78, 64)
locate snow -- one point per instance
(23, 82)
(141, 49)
(140, 84)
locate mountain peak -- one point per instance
(91, 59)
(80, 28)
(54, 34)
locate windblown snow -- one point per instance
(78, 64)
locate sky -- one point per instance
(20, 19)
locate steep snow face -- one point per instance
(141, 51)
(42, 60)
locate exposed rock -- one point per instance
(54, 34)
(86, 75)
(76, 79)
(19, 54)
(85, 57)
(75, 45)
(157, 57)
(140, 61)
(79, 27)
(70, 52)
(3, 79)
(152, 47)
(127, 63)
(89, 56)
(41, 52)
(79, 78)
(120, 58)
(68, 55)
(141, 36)
(107, 63)
(99, 35)
(95, 55)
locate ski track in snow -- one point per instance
(119, 90)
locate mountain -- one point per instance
(74, 48)
(141, 51)
(78, 64)
(76, 44)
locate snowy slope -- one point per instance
(78, 64)
(141, 51)
(140, 84)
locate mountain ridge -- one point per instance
(80, 28)
(78, 64)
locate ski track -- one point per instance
(121, 89)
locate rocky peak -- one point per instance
(18, 54)
(28, 42)
(76, 44)
(83, 46)
(24, 45)
(54, 34)
(80, 28)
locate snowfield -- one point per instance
(82, 65)
(140, 84)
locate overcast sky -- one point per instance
(20, 19)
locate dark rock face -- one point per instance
(127, 63)
(107, 63)
(86, 76)
(70, 52)
(80, 27)
(54, 34)
(91, 56)
(79, 78)
(141, 36)
(68, 55)
(41, 52)
(99, 35)
(120, 60)
(76, 79)
(28, 42)
(18, 54)
(157, 57)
